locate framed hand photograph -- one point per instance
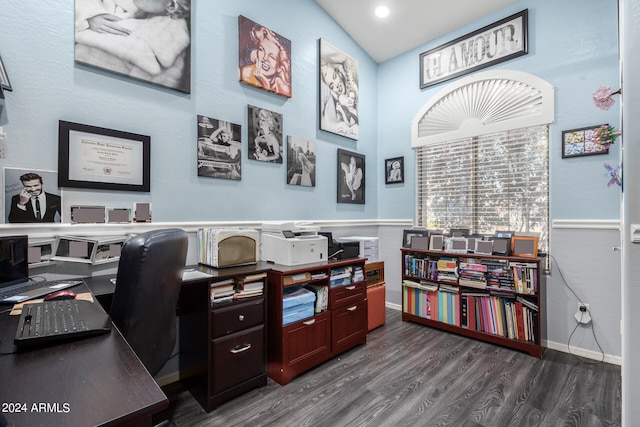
(351, 177)
(394, 170)
(100, 158)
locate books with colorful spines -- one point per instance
(464, 312)
(322, 297)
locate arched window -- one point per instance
(482, 151)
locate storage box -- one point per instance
(298, 312)
(299, 297)
(376, 306)
(368, 246)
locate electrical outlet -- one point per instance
(583, 315)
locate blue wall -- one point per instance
(573, 44)
(37, 47)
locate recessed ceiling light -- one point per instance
(382, 11)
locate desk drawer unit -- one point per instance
(347, 295)
(237, 358)
(349, 326)
(228, 320)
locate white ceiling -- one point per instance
(411, 23)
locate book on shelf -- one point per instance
(322, 296)
(254, 277)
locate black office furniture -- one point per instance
(147, 289)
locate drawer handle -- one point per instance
(241, 317)
(354, 308)
(309, 322)
(350, 288)
(241, 349)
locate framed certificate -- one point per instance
(94, 157)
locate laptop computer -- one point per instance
(15, 286)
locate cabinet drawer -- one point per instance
(347, 295)
(234, 318)
(349, 326)
(308, 341)
(237, 358)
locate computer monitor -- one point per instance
(14, 260)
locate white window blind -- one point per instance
(487, 183)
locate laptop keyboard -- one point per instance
(6, 293)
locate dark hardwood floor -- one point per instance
(412, 375)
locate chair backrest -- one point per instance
(147, 288)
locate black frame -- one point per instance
(388, 164)
(4, 77)
(140, 142)
(524, 14)
(585, 131)
(407, 235)
(342, 191)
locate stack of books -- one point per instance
(322, 296)
(472, 274)
(222, 291)
(251, 286)
(340, 276)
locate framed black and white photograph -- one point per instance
(394, 170)
(351, 177)
(31, 195)
(490, 45)
(4, 77)
(265, 57)
(301, 162)
(339, 92)
(219, 149)
(100, 158)
(265, 135)
(141, 42)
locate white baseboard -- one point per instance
(588, 354)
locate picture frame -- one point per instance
(351, 177)
(580, 142)
(4, 77)
(436, 242)
(48, 184)
(103, 159)
(394, 170)
(156, 51)
(257, 42)
(524, 246)
(301, 162)
(339, 92)
(219, 148)
(408, 235)
(265, 134)
(445, 62)
(501, 245)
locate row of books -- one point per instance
(503, 315)
(514, 318)
(493, 274)
(346, 275)
(237, 289)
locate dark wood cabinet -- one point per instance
(302, 345)
(223, 346)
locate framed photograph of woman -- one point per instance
(219, 149)
(339, 92)
(149, 41)
(351, 177)
(265, 58)
(265, 135)
(301, 162)
(394, 170)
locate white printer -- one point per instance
(290, 243)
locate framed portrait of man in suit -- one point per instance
(31, 196)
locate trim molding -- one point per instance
(591, 224)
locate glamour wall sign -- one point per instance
(495, 43)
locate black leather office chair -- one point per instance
(147, 289)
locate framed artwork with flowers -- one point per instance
(588, 141)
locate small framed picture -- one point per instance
(582, 142)
(351, 177)
(394, 170)
(524, 246)
(4, 77)
(408, 236)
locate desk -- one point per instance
(91, 381)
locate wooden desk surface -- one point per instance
(90, 381)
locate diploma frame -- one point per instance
(73, 159)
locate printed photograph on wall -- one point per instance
(265, 135)
(394, 170)
(301, 162)
(219, 149)
(582, 142)
(351, 177)
(339, 92)
(31, 195)
(149, 41)
(265, 57)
